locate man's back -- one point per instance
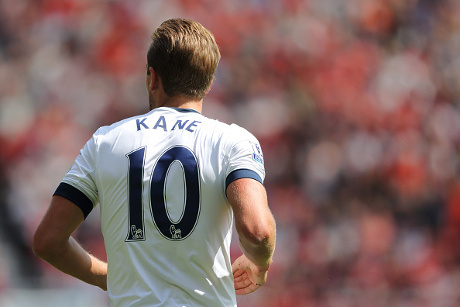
(161, 181)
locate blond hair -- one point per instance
(185, 56)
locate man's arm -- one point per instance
(257, 233)
(53, 243)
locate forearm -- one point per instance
(254, 221)
(72, 259)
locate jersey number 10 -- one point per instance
(170, 230)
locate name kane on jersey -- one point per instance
(161, 123)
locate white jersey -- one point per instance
(160, 180)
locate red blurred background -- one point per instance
(355, 103)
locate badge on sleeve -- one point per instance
(257, 154)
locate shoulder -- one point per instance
(240, 131)
(236, 134)
(239, 140)
(228, 133)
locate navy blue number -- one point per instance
(186, 224)
(135, 175)
(170, 230)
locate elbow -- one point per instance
(259, 237)
(43, 247)
(39, 246)
(259, 234)
(257, 241)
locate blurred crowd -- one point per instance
(355, 103)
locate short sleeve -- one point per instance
(245, 159)
(78, 185)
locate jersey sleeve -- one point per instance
(78, 185)
(246, 158)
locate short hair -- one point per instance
(185, 56)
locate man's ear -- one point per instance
(209, 88)
(152, 79)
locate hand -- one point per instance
(248, 277)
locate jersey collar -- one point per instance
(183, 110)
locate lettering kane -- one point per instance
(161, 123)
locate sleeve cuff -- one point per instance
(242, 173)
(76, 196)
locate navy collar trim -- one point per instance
(185, 110)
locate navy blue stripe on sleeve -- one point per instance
(242, 173)
(76, 196)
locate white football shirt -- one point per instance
(160, 180)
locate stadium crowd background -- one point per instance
(356, 105)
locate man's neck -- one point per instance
(182, 103)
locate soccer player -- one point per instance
(170, 184)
